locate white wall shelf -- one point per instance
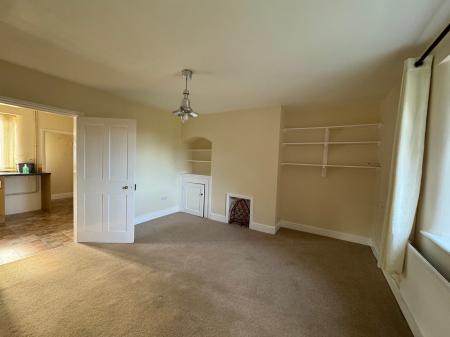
(376, 142)
(333, 165)
(326, 144)
(334, 127)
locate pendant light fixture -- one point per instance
(185, 111)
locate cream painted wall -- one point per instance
(158, 133)
(346, 199)
(244, 157)
(58, 153)
(51, 122)
(55, 150)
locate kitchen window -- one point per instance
(7, 141)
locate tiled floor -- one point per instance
(27, 234)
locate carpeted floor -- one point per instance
(188, 276)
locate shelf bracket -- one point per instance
(326, 139)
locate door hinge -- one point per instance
(135, 187)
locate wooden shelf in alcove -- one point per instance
(333, 127)
(335, 143)
(198, 161)
(207, 150)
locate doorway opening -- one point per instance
(36, 181)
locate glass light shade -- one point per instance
(185, 111)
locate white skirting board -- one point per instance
(374, 250)
(254, 226)
(154, 215)
(263, 228)
(325, 232)
(57, 196)
(403, 306)
(398, 297)
(217, 217)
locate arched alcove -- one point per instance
(199, 152)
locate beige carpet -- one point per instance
(187, 276)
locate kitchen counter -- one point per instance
(46, 194)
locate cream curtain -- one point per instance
(406, 167)
(7, 140)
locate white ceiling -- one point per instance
(245, 53)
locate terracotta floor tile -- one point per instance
(27, 234)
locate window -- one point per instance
(433, 216)
(7, 140)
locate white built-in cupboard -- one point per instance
(195, 194)
(195, 184)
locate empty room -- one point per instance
(251, 168)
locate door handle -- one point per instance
(201, 194)
(124, 187)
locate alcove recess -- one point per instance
(198, 156)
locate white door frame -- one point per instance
(37, 106)
(60, 111)
(197, 179)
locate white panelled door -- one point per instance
(194, 198)
(105, 157)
